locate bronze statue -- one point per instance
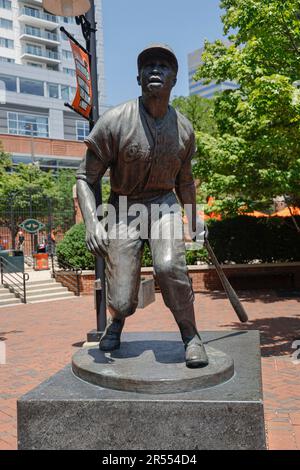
(148, 146)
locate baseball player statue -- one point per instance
(148, 147)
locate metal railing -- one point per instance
(15, 281)
(39, 14)
(40, 53)
(28, 259)
(65, 269)
(40, 34)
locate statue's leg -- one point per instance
(123, 267)
(168, 254)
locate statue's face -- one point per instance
(157, 75)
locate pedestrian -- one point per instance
(21, 240)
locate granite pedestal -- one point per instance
(66, 412)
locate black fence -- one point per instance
(56, 221)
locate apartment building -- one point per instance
(37, 76)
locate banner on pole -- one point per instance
(82, 102)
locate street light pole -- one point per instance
(88, 25)
(84, 12)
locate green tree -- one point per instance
(199, 111)
(24, 181)
(5, 163)
(256, 154)
(26, 189)
(105, 190)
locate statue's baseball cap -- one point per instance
(158, 49)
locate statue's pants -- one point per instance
(163, 229)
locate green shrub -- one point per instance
(192, 256)
(147, 258)
(240, 240)
(73, 251)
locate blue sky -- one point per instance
(130, 25)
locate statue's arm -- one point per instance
(185, 186)
(88, 175)
(186, 192)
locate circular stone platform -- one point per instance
(150, 367)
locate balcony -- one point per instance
(40, 55)
(38, 18)
(41, 37)
(35, 2)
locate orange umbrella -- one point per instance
(287, 212)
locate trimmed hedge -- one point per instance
(241, 239)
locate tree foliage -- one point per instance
(256, 154)
(26, 190)
(199, 111)
(28, 184)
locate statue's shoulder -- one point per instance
(116, 113)
(183, 121)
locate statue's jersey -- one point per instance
(146, 157)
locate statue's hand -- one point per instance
(97, 239)
(200, 231)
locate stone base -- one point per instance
(67, 413)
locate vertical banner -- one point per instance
(82, 102)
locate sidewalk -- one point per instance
(41, 338)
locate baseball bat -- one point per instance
(233, 298)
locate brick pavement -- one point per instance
(41, 338)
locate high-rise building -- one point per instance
(37, 76)
(198, 87)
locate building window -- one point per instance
(34, 12)
(65, 94)
(33, 31)
(34, 50)
(68, 71)
(53, 90)
(67, 19)
(8, 43)
(35, 64)
(7, 60)
(6, 24)
(27, 124)
(21, 159)
(6, 4)
(10, 82)
(31, 87)
(67, 54)
(82, 130)
(52, 67)
(47, 163)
